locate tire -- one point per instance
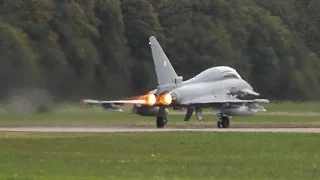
(160, 122)
(225, 122)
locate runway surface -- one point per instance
(112, 130)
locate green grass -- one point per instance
(116, 118)
(285, 106)
(76, 115)
(178, 155)
(293, 107)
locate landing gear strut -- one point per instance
(199, 114)
(161, 120)
(223, 121)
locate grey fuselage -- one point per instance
(211, 83)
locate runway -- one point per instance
(114, 130)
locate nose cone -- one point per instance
(248, 89)
(247, 85)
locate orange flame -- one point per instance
(151, 99)
(165, 99)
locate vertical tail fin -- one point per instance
(164, 70)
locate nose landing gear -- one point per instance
(223, 121)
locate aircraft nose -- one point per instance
(248, 85)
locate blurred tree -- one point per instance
(17, 59)
(141, 22)
(115, 53)
(99, 48)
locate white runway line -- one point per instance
(111, 130)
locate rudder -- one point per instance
(164, 70)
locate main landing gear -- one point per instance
(161, 120)
(223, 121)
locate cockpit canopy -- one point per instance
(215, 74)
(228, 72)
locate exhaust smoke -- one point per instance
(29, 100)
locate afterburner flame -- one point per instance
(151, 99)
(165, 99)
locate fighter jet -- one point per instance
(220, 88)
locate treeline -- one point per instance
(99, 48)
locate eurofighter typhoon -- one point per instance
(219, 88)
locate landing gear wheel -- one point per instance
(162, 118)
(223, 122)
(165, 121)
(161, 122)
